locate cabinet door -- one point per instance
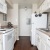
(37, 39)
(39, 43)
(5, 9)
(1, 7)
(43, 45)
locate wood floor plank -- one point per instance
(24, 44)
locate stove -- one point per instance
(5, 30)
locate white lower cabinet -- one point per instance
(39, 43)
(43, 45)
(43, 41)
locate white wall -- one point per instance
(12, 17)
(13, 14)
(24, 27)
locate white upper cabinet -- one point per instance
(3, 6)
(45, 6)
(5, 9)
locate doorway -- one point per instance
(25, 27)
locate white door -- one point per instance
(25, 16)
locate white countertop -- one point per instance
(5, 30)
(45, 32)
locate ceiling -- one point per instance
(27, 3)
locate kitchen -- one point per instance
(24, 22)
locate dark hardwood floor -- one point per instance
(24, 44)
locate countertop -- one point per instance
(7, 29)
(2, 27)
(47, 33)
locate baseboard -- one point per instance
(24, 35)
(17, 38)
